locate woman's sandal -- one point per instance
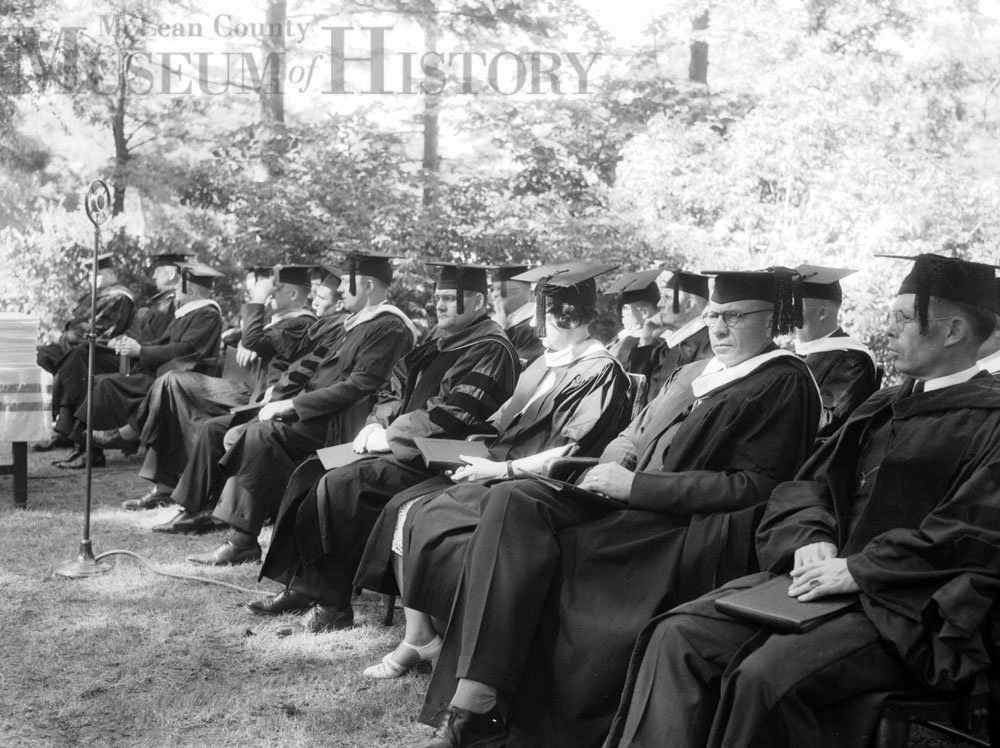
(389, 668)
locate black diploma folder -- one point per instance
(244, 414)
(445, 454)
(339, 455)
(769, 604)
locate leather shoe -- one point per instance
(186, 523)
(286, 601)
(228, 554)
(59, 441)
(460, 728)
(113, 440)
(151, 500)
(321, 619)
(75, 454)
(78, 460)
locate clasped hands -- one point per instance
(123, 345)
(818, 573)
(372, 438)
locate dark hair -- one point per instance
(570, 315)
(981, 322)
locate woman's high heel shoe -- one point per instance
(389, 668)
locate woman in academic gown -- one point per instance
(574, 397)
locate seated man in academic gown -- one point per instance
(448, 387)
(315, 364)
(989, 351)
(845, 369)
(167, 421)
(640, 300)
(152, 320)
(190, 343)
(574, 397)
(325, 410)
(514, 311)
(676, 335)
(555, 587)
(68, 358)
(902, 510)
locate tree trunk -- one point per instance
(272, 92)
(698, 67)
(120, 179)
(432, 104)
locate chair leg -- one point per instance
(891, 733)
(388, 609)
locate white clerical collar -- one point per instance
(716, 375)
(519, 315)
(830, 342)
(991, 363)
(939, 383)
(624, 335)
(567, 356)
(677, 337)
(192, 306)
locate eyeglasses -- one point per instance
(729, 317)
(902, 319)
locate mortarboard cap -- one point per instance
(170, 258)
(295, 275)
(781, 287)
(950, 278)
(105, 261)
(637, 287)
(198, 275)
(373, 264)
(325, 276)
(460, 278)
(684, 281)
(565, 283)
(260, 271)
(820, 282)
(503, 273)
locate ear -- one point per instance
(958, 331)
(821, 314)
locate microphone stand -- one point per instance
(98, 206)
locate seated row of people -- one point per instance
(530, 595)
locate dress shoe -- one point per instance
(151, 500)
(228, 554)
(286, 601)
(186, 523)
(460, 728)
(113, 440)
(389, 668)
(321, 619)
(59, 441)
(74, 455)
(78, 460)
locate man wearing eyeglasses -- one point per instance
(901, 510)
(555, 587)
(447, 387)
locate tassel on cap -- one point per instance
(787, 301)
(459, 289)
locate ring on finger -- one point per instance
(813, 583)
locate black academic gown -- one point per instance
(924, 549)
(587, 404)
(329, 408)
(153, 319)
(179, 401)
(846, 378)
(522, 336)
(622, 349)
(68, 359)
(191, 343)
(658, 362)
(200, 481)
(448, 387)
(549, 614)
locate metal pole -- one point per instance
(98, 205)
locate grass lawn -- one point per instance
(132, 658)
